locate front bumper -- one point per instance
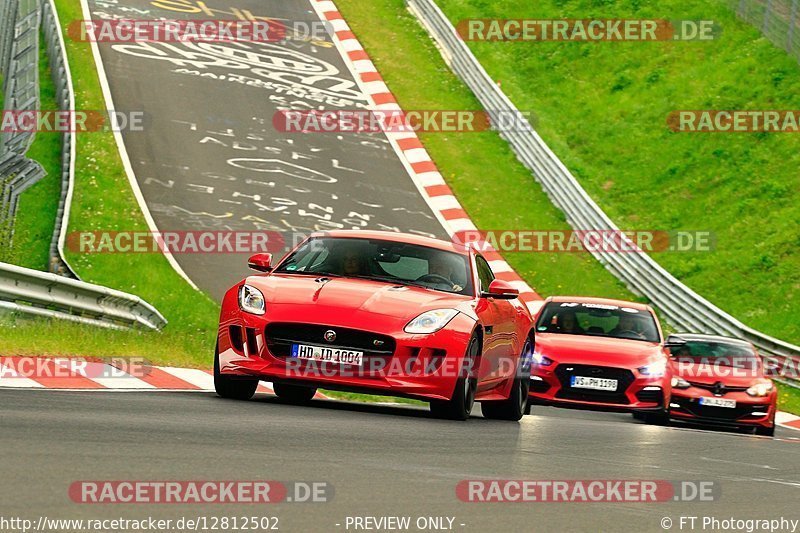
(749, 411)
(425, 367)
(635, 392)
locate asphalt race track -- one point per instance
(209, 157)
(382, 460)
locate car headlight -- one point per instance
(680, 383)
(760, 389)
(251, 300)
(657, 369)
(431, 321)
(541, 360)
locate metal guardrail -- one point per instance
(24, 290)
(65, 97)
(682, 307)
(37, 293)
(19, 60)
(778, 20)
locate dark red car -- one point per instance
(601, 354)
(382, 313)
(720, 381)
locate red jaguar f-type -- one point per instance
(720, 381)
(601, 354)
(382, 313)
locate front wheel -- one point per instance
(294, 393)
(232, 387)
(459, 406)
(766, 432)
(657, 418)
(516, 406)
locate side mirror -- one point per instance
(673, 341)
(260, 262)
(502, 290)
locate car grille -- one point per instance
(564, 373)
(280, 337)
(710, 412)
(712, 387)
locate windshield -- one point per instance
(380, 260)
(601, 320)
(717, 353)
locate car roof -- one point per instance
(606, 301)
(710, 338)
(393, 236)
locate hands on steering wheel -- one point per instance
(435, 278)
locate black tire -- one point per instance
(766, 432)
(294, 393)
(515, 407)
(459, 406)
(656, 418)
(232, 387)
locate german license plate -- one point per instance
(717, 402)
(327, 354)
(584, 382)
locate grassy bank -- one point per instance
(602, 107)
(37, 206)
(103, 200)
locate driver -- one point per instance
(627, 324)
(438, 265)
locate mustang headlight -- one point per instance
(431, 321)
(251, 300)
(760, 389)
(657, 369)
(680, 383)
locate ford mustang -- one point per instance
(382, 313)
(601, 354)
(720, 381)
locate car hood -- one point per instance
(592, 350)
(348, 295)
(709, 374)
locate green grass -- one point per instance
(103, 200)
(788, 399)
(494, 188)
(372, 398)
(37, 206)
(602, 108)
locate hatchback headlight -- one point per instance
(680, 383)
(251, 300)
(760, 389)
(431, 321)
(657, 369)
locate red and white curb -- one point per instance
(787, 420)
(412, 153)
(63, 373)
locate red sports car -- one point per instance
(601, 354)
(720, 381)
(382, 313)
